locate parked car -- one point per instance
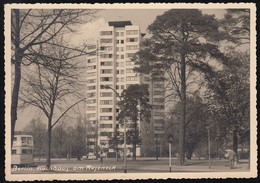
(83, 157)
(91, 156)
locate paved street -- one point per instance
(141, 165)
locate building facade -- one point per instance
(109, 64)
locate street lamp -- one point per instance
(209, 147)
(170, 140)
(108, 87)
(156, 136)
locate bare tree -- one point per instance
(52, 82)
(30, 30)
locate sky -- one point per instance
(142, 17)
(90, 32)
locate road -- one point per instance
(141, 165)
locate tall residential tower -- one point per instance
(110, 65)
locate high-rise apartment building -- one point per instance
(110, 65)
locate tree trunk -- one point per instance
(117, 153)
(235, 142)
(183, 112)
(134, 151)
(49, 145)
(17, 76)
(40, 153)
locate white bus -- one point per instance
(22, 150)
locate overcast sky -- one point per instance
(141, 17)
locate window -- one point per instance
(91, 87)
(106, 79)
(117, 79)
(105, 71)
(131, 32)
(117, 33)
(129, 71)
(129, 55)
(130, 63)
(131, 40)
(91, 101)
(105, 118)
(122, 79)
(103, 142)
(117, 71)
(91, 94)
(91, 81)
(132, 47)
(15, 139)
(14, 151)
(117, 48)
(122, 49)
(122, 56)
(157, 128)
(105, 33)
(91, 47)
(106, 40)
(106, 55)
(106, 48)
(91, 108)
(122, 71)
(158, 99)
(105, 102)
(106, 63)
(91, 67)
(117, 87)
(117, 110)
(93, 53)
(91, 74)
(93, 122)
(117, 41)
(106, 94)
(105, 125)
(24, 151)
(158, 92)
(122, 87)
(122, 41)
(121, 33)
(105, 133)
(117, 56)
(132, 78)
(106, 110)
(91, 115)
(103, 86)
(91, 143)
(158, 113)
(91, 60)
